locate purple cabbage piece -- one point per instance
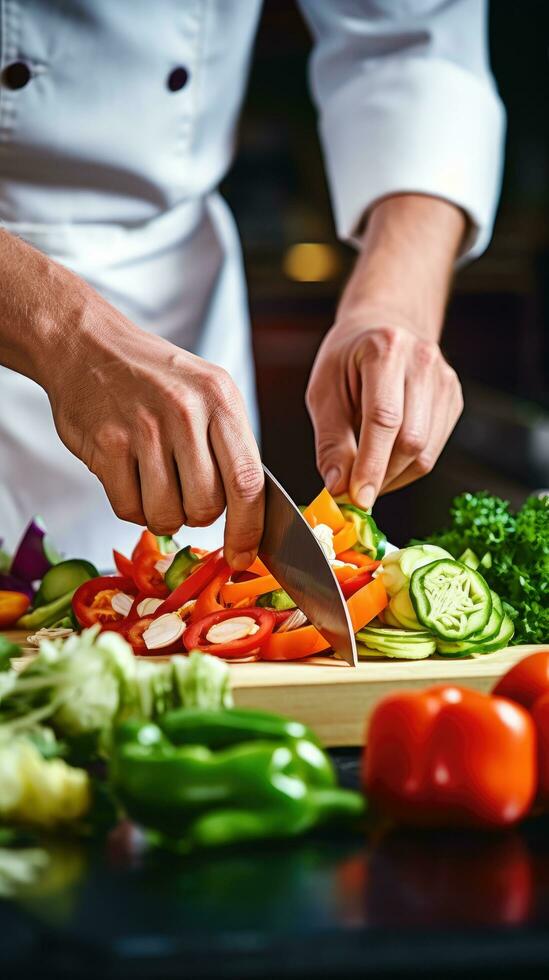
(10, 583)
(30, 562)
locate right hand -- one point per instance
(165, 432)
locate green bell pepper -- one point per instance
(199, 797)
(219, 728)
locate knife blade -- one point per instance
(294, 556)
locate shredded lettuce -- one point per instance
(84, 685)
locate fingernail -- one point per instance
(242, 561)
(366, 496)
(332, 478)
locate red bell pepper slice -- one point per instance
(194, 637)
(123, 565)
(352, 585)
(92, 601)
(147, 542)
(192, 586)
(147, 577)
(451, 756)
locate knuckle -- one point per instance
(112, 441)
(247, 480)
(202, 515)
(385, 416)
(146, 425)
(426, 354)
(127, 512)
(411, 443)
(383, 341)
(221, 387)
(424, 463)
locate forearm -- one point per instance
(404, 270)
(40, 304)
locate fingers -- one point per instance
(203, 493)
(332, 418)
(447, 408)
(160, 487)
(421, 402)
(117, 468)
(382, 370)
(241, 472)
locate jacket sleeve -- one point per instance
(407, 103)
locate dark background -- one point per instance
(495, 334)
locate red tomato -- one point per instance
(12, 606)
(194, 636)
(92, 601)
(147, 578)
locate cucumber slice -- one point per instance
(396, 651)
(450, 599)
(469, 558)
(180, 568)
(493, 625)
(390, 633)
(62, 578)
(470, 646)
(403, 611)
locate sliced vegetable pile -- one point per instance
(166, 600)
(436, 605)
(408, 604)
(511, 549)
(177, 758)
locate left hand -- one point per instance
(383, 402)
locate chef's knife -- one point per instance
(294, 556)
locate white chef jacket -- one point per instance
(108, 169)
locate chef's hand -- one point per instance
(165, 432)
(382, 399)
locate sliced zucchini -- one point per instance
(406, 644)
(403, 611)
(468, 647)
(451, 599)
(402, 651)
(469, 558)
(62, 578)
(180, 568)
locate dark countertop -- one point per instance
(329, 905)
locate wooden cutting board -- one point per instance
(336, 700)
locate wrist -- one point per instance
(404, 270)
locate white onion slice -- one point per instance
(163, 631)
(293, 622)
(148, 606)
(122, 603)
(229, 630)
